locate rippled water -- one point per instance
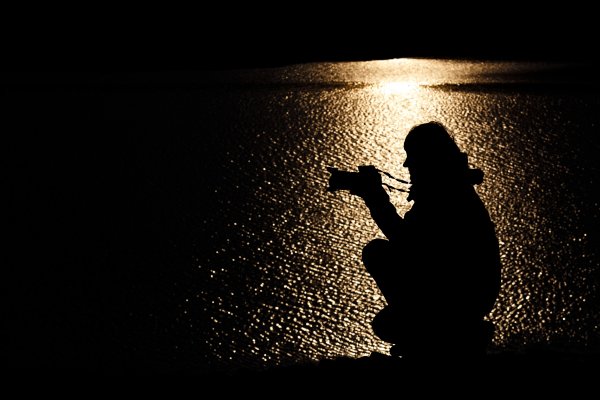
(276, 276)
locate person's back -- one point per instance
(453, 246)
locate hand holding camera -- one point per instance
(366, 180)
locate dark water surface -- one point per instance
(236, 256)
(275, 275)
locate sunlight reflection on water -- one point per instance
(287, 283)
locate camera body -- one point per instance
(342, 180)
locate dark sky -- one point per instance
(230, 37)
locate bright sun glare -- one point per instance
(397, 87)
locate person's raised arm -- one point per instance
(383, 212)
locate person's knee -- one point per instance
(375, 252)
(386, 325)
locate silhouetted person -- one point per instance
(439, 270)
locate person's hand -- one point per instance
(368, 182)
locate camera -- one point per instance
(365, 180)
(342, 180)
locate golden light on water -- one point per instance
(401, 88)
(315, 299)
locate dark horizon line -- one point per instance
(229, 63)
(145, 59)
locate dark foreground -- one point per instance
(535, 372)
(495, 375)
(378, 369)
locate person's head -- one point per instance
(433, 156)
